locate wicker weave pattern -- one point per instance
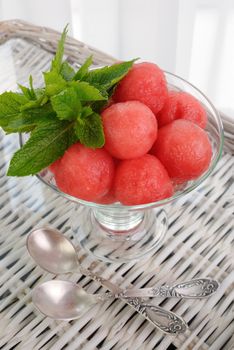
(199, 242)
(48, 38)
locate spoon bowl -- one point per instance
(62, 300)
(52, 251)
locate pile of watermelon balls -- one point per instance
(154, 140)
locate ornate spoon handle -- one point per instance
(166, 321)
(194, 289)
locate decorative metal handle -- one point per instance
(166, 321)
(194, 289)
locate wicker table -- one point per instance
(199, 242)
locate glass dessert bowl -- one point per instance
(115, 232)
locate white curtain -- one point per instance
(193, 39)
(52, 13)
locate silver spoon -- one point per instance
(64, 300)
(55, 253)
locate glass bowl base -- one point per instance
(112, 242)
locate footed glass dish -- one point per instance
(115, 232)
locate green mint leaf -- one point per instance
(39, 92)
(83, 70)
(66, 104)
(54, 83)
(10, 104)
(41, 99)
(67, 72)
(27, 120)
(41, 96)
(86, 111)
(87, 92)
(20, 124)
(107, 77)
(26, 92)
(11, 101)
(31, 105)
(32, 91)
(29, 93)
(43, 111)
(13, 116)
(72, 137)
(89, 130)
(57, 61)
(47, 143)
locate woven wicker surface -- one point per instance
(199, 242)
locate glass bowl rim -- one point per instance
(162, 202)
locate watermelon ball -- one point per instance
(181, 105)
(85, 173)
(146, 83)
(184, 149)
(142, 180)
(130, 129)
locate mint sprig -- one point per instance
(64, 111)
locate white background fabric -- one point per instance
(193, 39)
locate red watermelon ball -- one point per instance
(181, 105)
(130, 129)
(85, 173)
(142, 180)
(184, 149)
(146, 83)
